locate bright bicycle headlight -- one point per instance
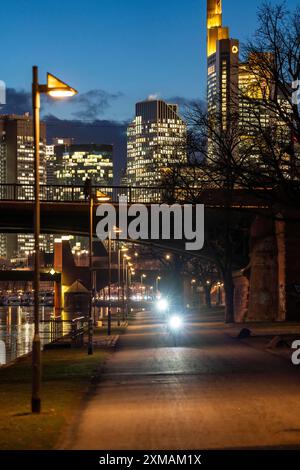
(175, 322)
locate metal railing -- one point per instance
(70, 193)
(54, 329)
(205, 192)
(57, 328)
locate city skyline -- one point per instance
(150, 232)
(103, 94)
(105, 105)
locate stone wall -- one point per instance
(269, 289)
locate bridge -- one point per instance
(211, 196)
(65, 210)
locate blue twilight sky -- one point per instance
(126, 50)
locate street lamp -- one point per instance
(219, 293)
(193, 283)
(143, 276)
(116, 230)
(157, 281)
(57, 89)
(100, 197)
(125, 285)
(123, 250)
(119, 282)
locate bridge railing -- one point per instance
(70, 193)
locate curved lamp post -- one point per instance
(57, 89)
(99, 197)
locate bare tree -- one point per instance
(257, 151)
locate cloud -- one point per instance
(17, 102)
(89, 106)
(154, 96)
(92, 104)
(185, 103)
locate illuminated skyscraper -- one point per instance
(222, 64)
(74, 163)
(54, 154)
(156, 140)
(50, 164)
(227, 78)
(236, 90)
(17, 167)
(18, 150)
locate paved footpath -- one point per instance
(208, 391)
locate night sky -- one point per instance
(115, 52)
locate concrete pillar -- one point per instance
(292, 272)
(273, 273)
(263, 293)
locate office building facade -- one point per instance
(236, 90)
(17, 167)
(156, 141)
(222, 66)
(76, 163)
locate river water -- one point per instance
(17, 328)
(16, 331)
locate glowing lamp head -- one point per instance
(102, 197)
(56, 88)
(60, 93)
(175, 322)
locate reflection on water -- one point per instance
(16, 331)
(16, 328)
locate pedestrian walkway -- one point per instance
(209, 391)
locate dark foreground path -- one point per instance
(210, 391)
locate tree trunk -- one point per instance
(208, 296)
(229, 298)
